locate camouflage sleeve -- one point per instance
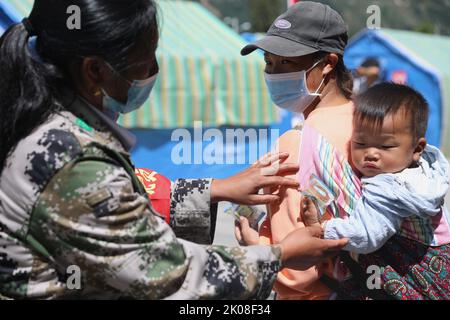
(193, 217)
(89, 216)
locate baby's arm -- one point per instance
(366, 232)
(367, 229)
(387, 200)
(378, 215)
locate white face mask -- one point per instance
(289, 90)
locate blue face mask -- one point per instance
(138, 93)
(289, 90)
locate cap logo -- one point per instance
(283, 24)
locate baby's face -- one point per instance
(390, 149)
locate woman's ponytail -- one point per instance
(344, 78)
(26, 94)
(34, 71)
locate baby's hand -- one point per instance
(309, 213)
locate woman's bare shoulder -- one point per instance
(291, 136)
(290, 142)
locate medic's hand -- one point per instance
(304, 248)
(244, 187)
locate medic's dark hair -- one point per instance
(29, 89)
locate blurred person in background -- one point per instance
(367, 75)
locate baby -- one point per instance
(404, 184)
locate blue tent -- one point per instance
(419, 60)
(8, 16)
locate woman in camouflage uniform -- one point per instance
(69, 199)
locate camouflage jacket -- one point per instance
(70, 206)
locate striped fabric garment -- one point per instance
(329, 165)
(332, 168)
(433, 232)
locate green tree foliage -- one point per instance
(430, 16)
(264, 12)
(260, 13)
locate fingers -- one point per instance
(237, 231)
(264, 199)
(249, 235)
(244, 224)
(270, 170)
(304, 207)
(334, 245)
(330, 248)
(263, 161)
(327, 245)
(271, 158)
(276, 181)
(277, 169)
(317, 232)
(309, 212)
(288, 168)
(245, 228)
(304, 204)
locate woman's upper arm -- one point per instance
(284, 216)
(290, 142)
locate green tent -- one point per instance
(202, 75)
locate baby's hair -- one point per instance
(384, 99)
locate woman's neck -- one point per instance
(331, 97)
